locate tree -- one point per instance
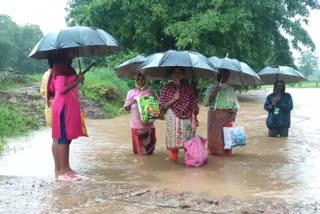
(248, 30)
(26, 38)
(308, 63)
(16, 42)
(7, 44)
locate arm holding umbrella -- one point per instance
(73, 84)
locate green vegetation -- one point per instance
(14, 122)
(16, 43)
(307, 84)
(102, 85)
(13, 80)
(251, 31)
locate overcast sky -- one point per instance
(50, 16)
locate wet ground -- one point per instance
(267, 176)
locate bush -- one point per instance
(103, 86)
(14, 122)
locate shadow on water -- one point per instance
(267, 167)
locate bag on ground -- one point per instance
(234, 136)
(196, 152)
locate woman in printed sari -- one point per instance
(143, 134)
(179, 102)
(223, 107)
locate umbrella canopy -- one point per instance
(240, 72)
(86, 41)
(130, 68)
(270, 75)
(196, 65)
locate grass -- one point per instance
(306, 84)
(103, 86)
(13, 81)
(14, 122)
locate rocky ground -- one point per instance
(32, 195)
(30, 100)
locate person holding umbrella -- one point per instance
(66, 119)
(143, 135)
(279, 105)
(224, 105)
(179, 103)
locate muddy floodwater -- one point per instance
(268, 174)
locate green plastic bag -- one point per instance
(149, 109)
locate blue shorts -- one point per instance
(63, 139)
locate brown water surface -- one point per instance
(285, 168)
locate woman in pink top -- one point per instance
(66, 118)
(143, 135)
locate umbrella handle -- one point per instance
(217, 97)
(88, 68)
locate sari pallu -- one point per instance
(178, 131)
(143, 140)
(218, 119)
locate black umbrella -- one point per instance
(85, 41)
(130, 68)
(240, 72)
(270, 75)
(196, 65)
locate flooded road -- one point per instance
(284, 169)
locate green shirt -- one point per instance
(227, 98)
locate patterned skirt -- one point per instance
(143, 141)
(216, 121)
(178, 130)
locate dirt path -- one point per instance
(31, 102)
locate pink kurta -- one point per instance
(135, 120)
(71, 104)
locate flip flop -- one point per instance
(68, 178)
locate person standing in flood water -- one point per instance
(143, 135)
(279, 105)
(179, 103)
(66, 119)
(223, 107)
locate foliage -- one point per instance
(16, 42)
(309, 63)
(251, 31)
(11, 80)
(102, 85)
(14, 122)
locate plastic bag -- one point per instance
(196, 153)
(149, 109)
(234, 136)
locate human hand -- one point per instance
(80, 78)
(176, 96)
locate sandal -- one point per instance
(68, 178)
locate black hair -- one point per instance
(275, 85)
(51, 61)
(220, 73)
(170, 70)
(61, 56)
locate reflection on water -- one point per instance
(265, 167)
